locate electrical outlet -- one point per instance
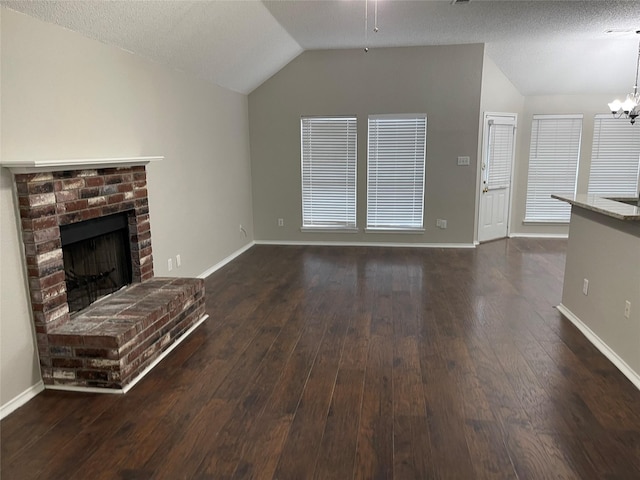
(585, 286)
(169, 265)
(178, 261)
(281, 222)
(441, 223)
(627, 309)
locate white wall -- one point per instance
(66, 96)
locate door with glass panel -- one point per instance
(497, 164)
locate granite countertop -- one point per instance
(605, 206)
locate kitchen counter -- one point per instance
(605, 206)
(601, 289)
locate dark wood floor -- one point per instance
(368, 363)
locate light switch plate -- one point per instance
(464, 161)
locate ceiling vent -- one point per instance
(457, 2)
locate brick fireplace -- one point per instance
(110, 344)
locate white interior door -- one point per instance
(497, 164)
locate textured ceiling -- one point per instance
(544, 47)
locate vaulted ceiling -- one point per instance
(543, 47)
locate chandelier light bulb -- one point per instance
(615, 106)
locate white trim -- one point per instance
(597, 342)
(131, 384)
(538, 235)
(73, 388)
(35, 166)
(504, 118)
(19, 400)
(551, 223)
(410, 231)
(329, 230)
(365, 244)
(553, 116)
(226, 260)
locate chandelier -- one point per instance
(630, 108)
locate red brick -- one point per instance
(40, 187)
(97, 201)
(91, 213)
(62, 362)
(46, 294)
(141, 193)
(53, 303)
(111, 209)
(76, 205)
(102, 364)
(69, 218)
(116, 198)
(34, 177)
(96, 353)
(43, 223)
(43, 270)
(67, 195)
(37, 249)
(48, 281)
(46, 234)
(73, 183)
(101, 341)
(113, 179)
(37, 212)
(40, 199)
(52, 316)
(89, 192)
(96, 181)
(63, 374)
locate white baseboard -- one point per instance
(226, 260)
(130, 385)
(626, 370)
(21, 399)
(539, 235)
(365, 244)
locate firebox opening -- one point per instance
(97, 258)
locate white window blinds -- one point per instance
(396, 171)
(553, 166)
(328, 172)
(500, 153)
(615, 157)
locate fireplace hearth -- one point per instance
(86, 235)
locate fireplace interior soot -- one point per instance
(97, 259)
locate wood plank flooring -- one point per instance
(357, 363)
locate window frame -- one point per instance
(544, 149)
(615, 169)
(347, 222)
(374, 217)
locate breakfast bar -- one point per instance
(601, 291)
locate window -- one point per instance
(553, 166)
(615, 157)
(328, 172)
(395, 172)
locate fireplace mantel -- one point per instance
(38, 166)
